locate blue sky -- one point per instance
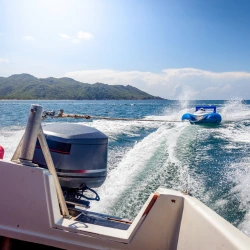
(174, 48)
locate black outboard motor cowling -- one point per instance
(79, 154)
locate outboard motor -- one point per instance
(79, 154)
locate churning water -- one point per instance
(212, 162)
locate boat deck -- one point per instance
(99, 219)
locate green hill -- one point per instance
(25, 86)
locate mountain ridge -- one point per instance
(27, 87)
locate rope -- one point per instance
(112, 119)
(61, 114)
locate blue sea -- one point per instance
(212, 162)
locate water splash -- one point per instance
(235, 110)
(185, 96)
(9, 139)
(239, 174)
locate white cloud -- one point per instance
(191, 72)
(65, 36)
(78, 38)
(84, 35)
(3, 61)
(29, 38)
(186, 83)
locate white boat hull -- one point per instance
(169, 219)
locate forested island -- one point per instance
(28, 87)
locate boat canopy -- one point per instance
(205, 107)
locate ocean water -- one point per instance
(212, 162)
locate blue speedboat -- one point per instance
(203, 115)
